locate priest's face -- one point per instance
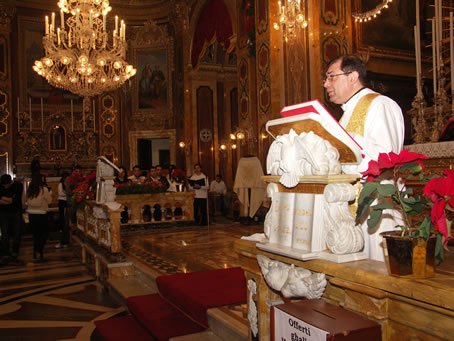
(338, 84)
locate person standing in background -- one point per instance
(38, 199)
(61, 212)
(198, 182)
(11, 204)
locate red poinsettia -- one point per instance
(439, 196)
(392, 160)
(441, 192)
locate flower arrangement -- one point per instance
(139, 188)
(83, 189)
(179, 176)
(403, 166)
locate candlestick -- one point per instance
(94, 117)
(30, 111)
(418, 84)
(72, 117)
(18, 115)
(451, 53)
(434, 61)
(42, 115)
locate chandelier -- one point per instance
(291, 17)
(372, 14)
(80, 56)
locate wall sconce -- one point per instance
(224, 146)
(291, 17)
(185, 147)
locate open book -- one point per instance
(313, 116)
(200, 182)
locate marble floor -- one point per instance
(59, 299)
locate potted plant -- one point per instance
(422, 235)
(139, 188)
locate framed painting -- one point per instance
(152, 53)
(379, 35)
(153, 79)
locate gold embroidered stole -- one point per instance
(358, 118)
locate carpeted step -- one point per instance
(160, 318)
(196, 292)
(122, 329)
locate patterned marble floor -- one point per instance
(53, 300)
(59, 299)
(189, 248)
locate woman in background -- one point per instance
(38, 199)
(62, 222)
(121, 176)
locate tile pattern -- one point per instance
(53, 300)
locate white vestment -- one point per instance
(384, 131)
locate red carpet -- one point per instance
(196, 292)
(165, 315)
(122, 329)
(160, 318)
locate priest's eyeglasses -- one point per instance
(331, 77)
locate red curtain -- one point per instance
(214, 23)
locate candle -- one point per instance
(72, 116)
(91, 19)
(94, 117)
(279, 8)
(53, 21)
(47, 25)
(104, 22)
(451, 53)
(58, 36)
(62, 19)
(116, 23)
(416, 60)
(30, 111)
(42, 115)
(18, 115)
(77, 16)
(434, 61)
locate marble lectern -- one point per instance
(310, 216)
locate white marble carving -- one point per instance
(105, 191)
(252, 308)
(291, 281)
(270, 189)
(292, 155)
(343, 236)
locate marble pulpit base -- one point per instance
(307, 255)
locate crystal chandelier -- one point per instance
(291, 17)
(80, 56)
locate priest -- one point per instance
(375, 122)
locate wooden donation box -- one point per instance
(316, 320)
(310, 217)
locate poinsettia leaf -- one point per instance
(386, 190)
(409, 200)
(425, 228)
(412, 167)
(368, 189)
(439, 249)
(363, 206)
(374, 218)
(382, 206)
(408, 191)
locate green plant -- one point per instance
(140, 188)
(404, 198)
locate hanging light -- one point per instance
(80, 55)
(290, 17)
